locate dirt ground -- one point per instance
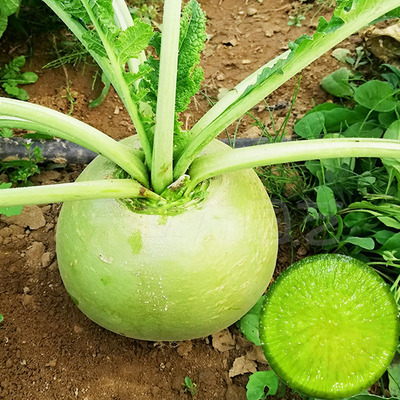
(48, 348)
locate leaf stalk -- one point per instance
(162, 164)
(90, 190)
(221, 162)
(77, 132)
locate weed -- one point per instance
(190, 386)
(19, 171)
(11, 77)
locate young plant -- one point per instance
(190, 386)
(11, 77)
(172, 254)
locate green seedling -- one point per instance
(11, 77)
(19, 171)
(296, 20)
(190, 386)
(173, 254)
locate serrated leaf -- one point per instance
(191, 42)
(93, 43)
(5, 132)
(131, 77)
(132, 41)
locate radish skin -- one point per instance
(169, 277)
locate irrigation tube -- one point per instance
(64, 152)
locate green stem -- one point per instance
(90, 190)
(232, 96)
(162, 166)
(48, 130)
(122, 89)
(221, 162)
(78, 132)
(320, 44)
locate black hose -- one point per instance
(63, 152)
(56, 150)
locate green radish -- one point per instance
(329, 326)
(127, 280)
(193, 245)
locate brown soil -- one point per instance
(48, 348)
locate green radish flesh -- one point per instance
(329, 326)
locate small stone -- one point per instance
(269, 32)
(5, 232)
(26, 290)
(251, 11)
(78, 329)
(220, 77)
(230, 42)
(242, 365)
(17, 230)
(52, 363)
(245, 62)
(35, 252)
(46, 258)
(116, 111)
